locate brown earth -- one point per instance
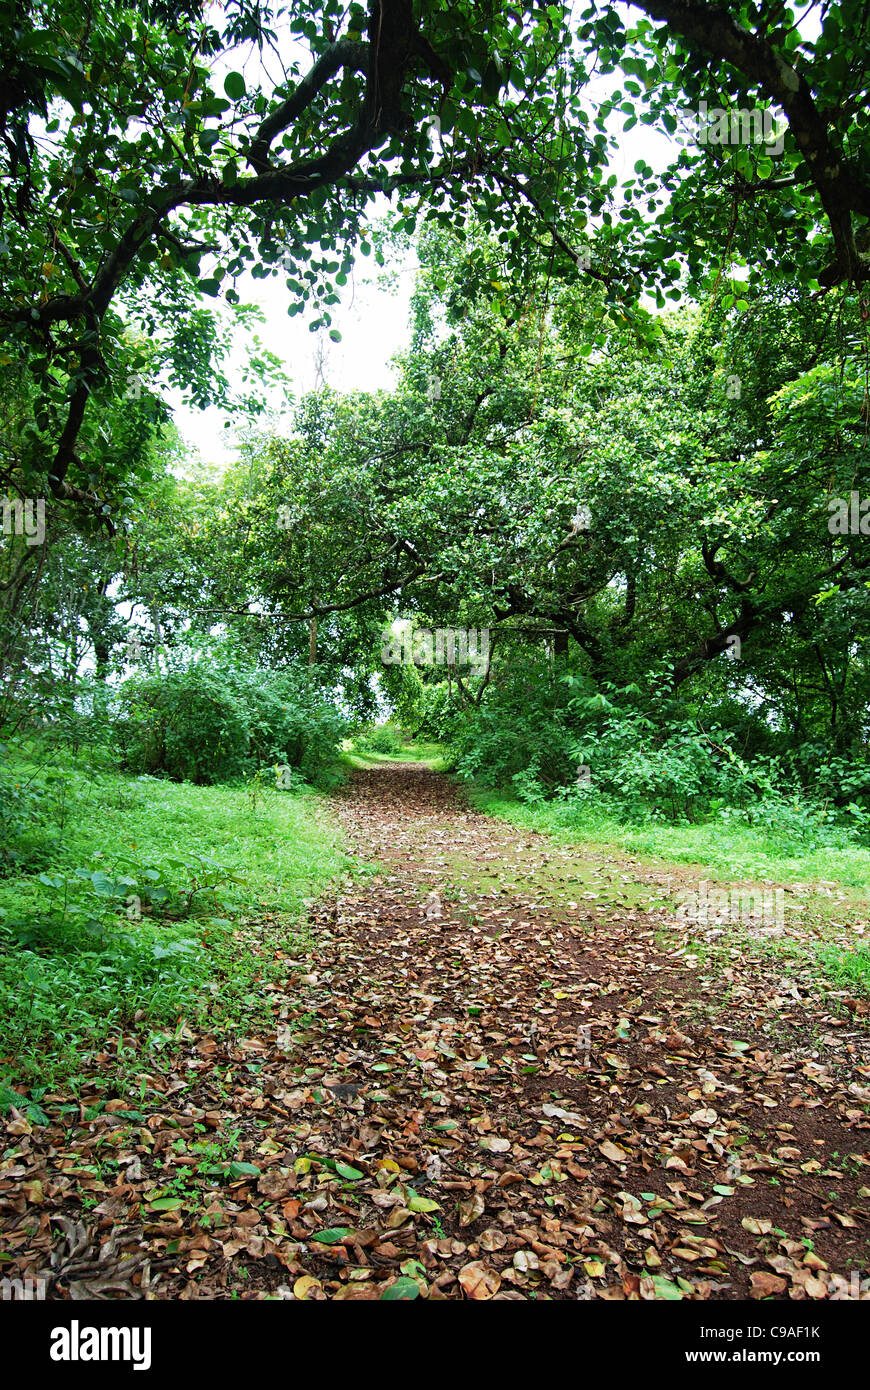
(500, 1072)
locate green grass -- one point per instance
(725, 848)
(836, 876)
(152, 902)
(849, 969)
(430, 753)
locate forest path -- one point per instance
(493, 1068)
(595, 1115)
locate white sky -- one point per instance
(372, 318)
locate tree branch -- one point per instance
(841, 188)
(347, 53)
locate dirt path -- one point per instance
(496, 1075)
(593, 1116)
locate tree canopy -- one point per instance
(154, 155)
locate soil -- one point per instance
(502, 1071)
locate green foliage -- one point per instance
(188, 724)
(437, 712)
(635, 758)
(204, 725)
(147, 174)
(124, 931)
(515, 741)
(636, 766)
(670, 769)
(24, 838)
(382, 738)
(292, 722)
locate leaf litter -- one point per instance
(514, 1086)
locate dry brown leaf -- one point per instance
(478, 1281)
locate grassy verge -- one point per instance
(722, 848)
(432, 754)
(150, 904)
(828, 882)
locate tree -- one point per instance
(538, 473)
(143, 174)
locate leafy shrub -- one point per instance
(669, 771)
(644, 763)
(518, 738)
(188, 724)
(439, 714)
(840, 779)
(199, 725)
(529, 750)
(31, 816)
(792, 824)
(383, 738)
(291, 722)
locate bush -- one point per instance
(291, 722)
(25, 837)
(439, 713)
(527, 749)
(188, 724)
(792, 824)
(534, 739)
(671, 772)
(383, 738)
(199, 725)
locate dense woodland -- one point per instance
(627, 447)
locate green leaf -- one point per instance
(423, 1204)
(331, 1235)
(665, 1289)
(403, 1291)
(234, 86)
(243, 1170)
